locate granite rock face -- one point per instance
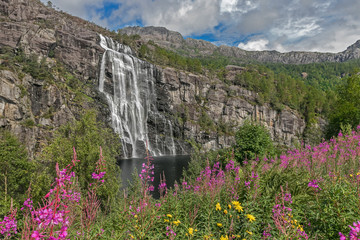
(189, 95)
(197, 105)
(31, 108)
(32, 115)
(40, 30)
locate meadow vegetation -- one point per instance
(306, 193)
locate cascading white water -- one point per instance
(128, 84)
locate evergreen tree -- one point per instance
(15, 171)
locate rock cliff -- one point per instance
(33, 107)
(209, 111)
(201, 108)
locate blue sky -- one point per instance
(282, 25)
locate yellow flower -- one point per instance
(224, 238)
(239, 208)
(218, 207)
(191, 231)
(135, 216)
(229, 206)
(177, 222)
(249, 232)
(166, 220)
(225, 211)
(219, 224)
(250, 217)
(169, 215)
(351, 175)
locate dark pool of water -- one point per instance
(171, 166)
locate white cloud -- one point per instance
(293, 29)
(237, 6)
(255, 45)
(283, 25)
(186, 16)
(228, 5)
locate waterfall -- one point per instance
(128, 84)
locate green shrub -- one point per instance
(252, 140)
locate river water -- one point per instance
(171, 166)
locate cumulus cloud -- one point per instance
(185, 16)
(255, 45)
(283, 25)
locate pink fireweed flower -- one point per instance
(287, 197)
(37, 236)
(342, 236)
(9, 224)
(353, 234)
(230, 166)
(28, 203)
(98, 176)
(314, 184)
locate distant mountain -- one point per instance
(192, 47)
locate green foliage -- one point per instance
(316, 190)
(15, 171)
(337, 198)
(23, 90)
(32, 66)
(28, 123)
(280, 89)
(17, 61)
(346, 110)
(86, 135)
(162, 56)
(324, 76)
(206, 123)
(252, 140)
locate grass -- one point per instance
(307, 193)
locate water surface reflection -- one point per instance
(171, 166)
